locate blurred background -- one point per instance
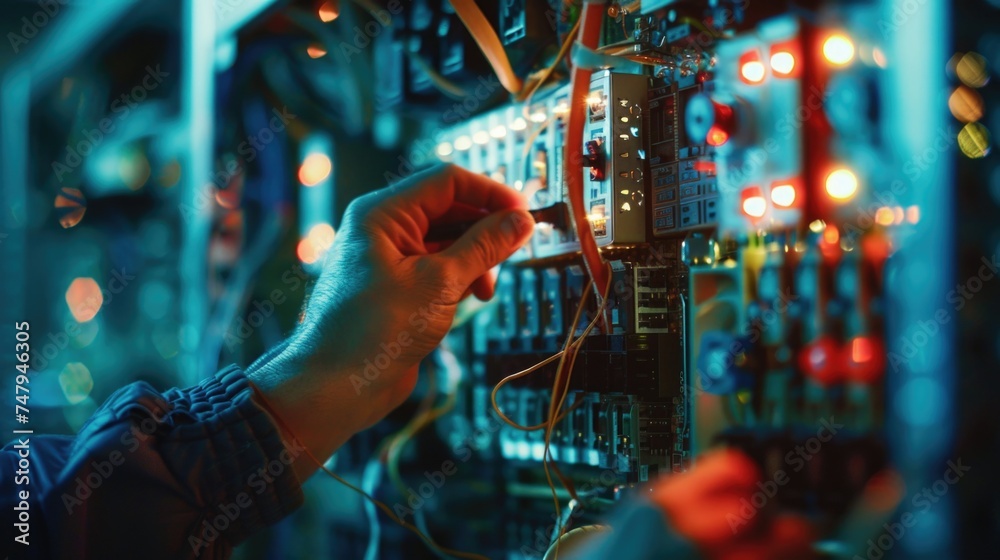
(173, 173)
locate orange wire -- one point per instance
(385, 509)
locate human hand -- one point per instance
(706, 506)
(385, 299)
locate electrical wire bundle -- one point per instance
(585, 32)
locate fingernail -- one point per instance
(518, 224)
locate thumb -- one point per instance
(488, 243)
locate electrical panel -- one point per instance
(723, 166)
(614, 154)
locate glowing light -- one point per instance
(444, 149)
(316, 243)
(170, 174)
(752, 71)
(879, 57)
(518, 124)
(480, 137)
(783, 195)
(841, 184)
(463, 143)
(595, 98)
(227, 198)
(626, 207)
(974, 140)
(754, 203)
(898, 215)
(76, 382)
(538, 116)
(315, 169)
(884, 216)
(861, 350)
(328, 12)
(971, 69)
(306, 252)
(134, 170)
(716, 136)
(84, 299)
(838, 49)
(817, 226)
(316, 51)
(498, 131)
(519, 185)
(561, 108)
(321, 236)
(965, 104)
(913, 214)
(782, 62)
(831, 235)
(70, 206)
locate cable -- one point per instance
(555, 406)
(589, 36)
(489, 42)
(543, 76)
(441, 83)
(559, 355)
(369, 479)
(392, 447)
(266, 404)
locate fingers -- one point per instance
(431, 194)
(704, 503)
(484, 286)
(716, 472)
(488, 243)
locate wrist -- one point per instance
(301, 400)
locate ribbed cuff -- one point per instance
(230, 454)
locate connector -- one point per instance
(556, 214)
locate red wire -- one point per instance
(589, 37)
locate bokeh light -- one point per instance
(322, 236)
(316, 51)
(841, 184)
(316, 243)
(84, 299)
(884, 216)
(965, 104)
(70, 206)
(169, 175)
(134, 170)
(972, 70)
(752, 71)
(315, 169)
(783, 62)
(838, 49)
(974, 140)
(328, 12)
(76, 382)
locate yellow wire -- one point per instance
(486, 37)
(553, 406)
(544, 75)
(426, 413)
(385, 509)
(546, 361)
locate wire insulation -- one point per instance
(266, 404)
(489, 42)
